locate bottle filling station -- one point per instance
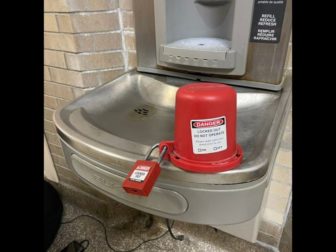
(209, 99)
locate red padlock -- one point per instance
(141, 179)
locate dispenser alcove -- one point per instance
(206, 35)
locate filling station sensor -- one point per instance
(205, 136)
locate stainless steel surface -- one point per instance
(204, 203)
(144, 23)
(117, 123)
(174, 202)
(234, 82)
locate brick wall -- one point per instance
(86, 44)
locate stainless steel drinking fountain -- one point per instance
(106, 130)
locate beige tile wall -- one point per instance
(86, 44)
(280, 192)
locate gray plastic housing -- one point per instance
(212, 35)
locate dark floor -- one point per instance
(128, 228)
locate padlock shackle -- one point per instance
(162, 154)
(151, 150)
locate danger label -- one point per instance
(208, 135)
(140, 173)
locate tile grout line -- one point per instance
(87, 52)
(87, 33)
(83, 52)
(87, 71)
(82, 12)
